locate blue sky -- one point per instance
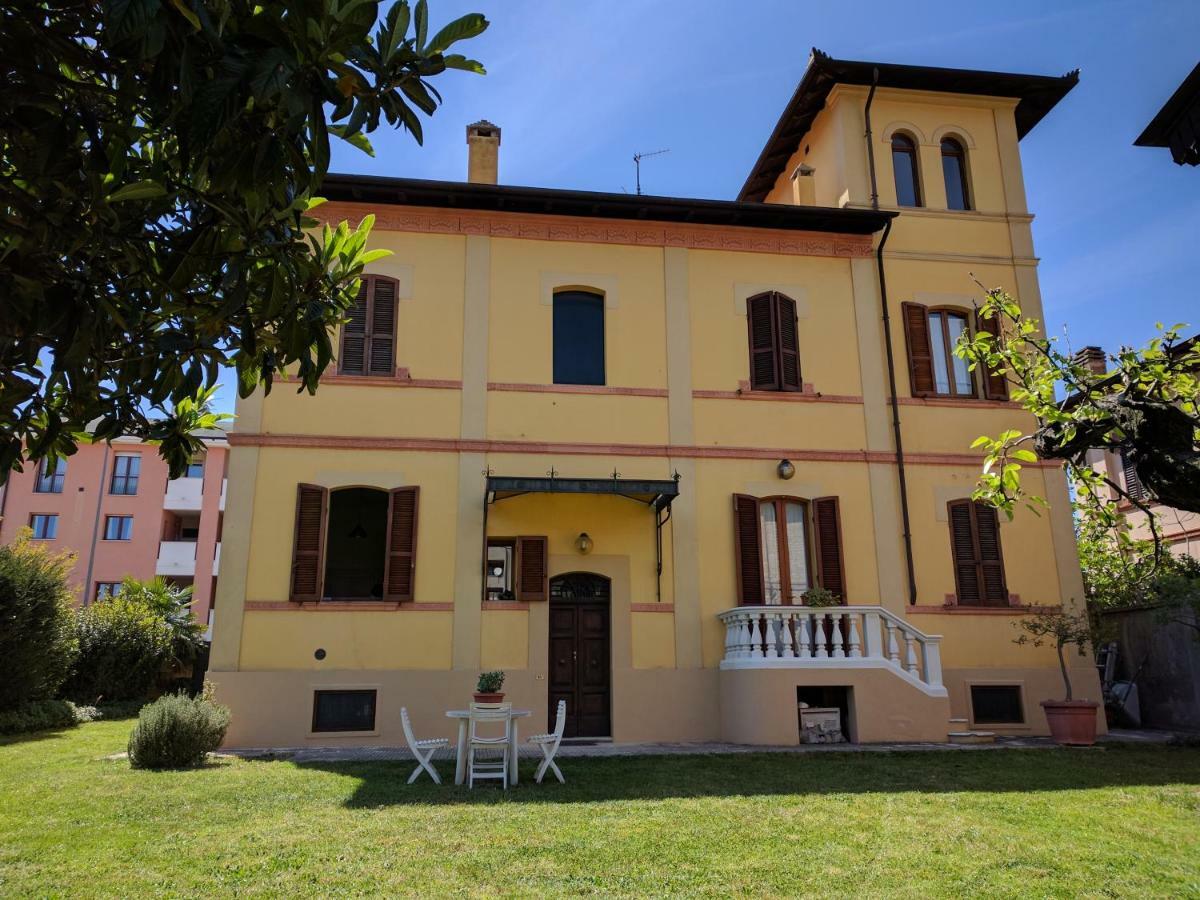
(579, 87)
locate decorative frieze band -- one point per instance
(424, 220)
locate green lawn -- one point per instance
(1109, 822)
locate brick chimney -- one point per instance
(1093, 359)
(483, 155)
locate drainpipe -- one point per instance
(87, 585)
(871, 149)
(891, 360)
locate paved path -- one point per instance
(609, 749)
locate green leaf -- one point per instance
(421, 21)
(139, 190)
(467, 26)
(358, 139)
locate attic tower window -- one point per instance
(904, 165)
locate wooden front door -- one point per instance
(580, 650)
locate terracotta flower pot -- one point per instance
(1072, 722)
(488, 698)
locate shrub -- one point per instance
(37, 622)
(173, 605)
(176, 731)
(42, 715)
(490, 683)
(123, 646)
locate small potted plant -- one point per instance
(487, 689)
(1072, 722)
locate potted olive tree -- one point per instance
(487, 689)
(1071, 721)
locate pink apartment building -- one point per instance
(115, 508)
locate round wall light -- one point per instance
(785, 469)
(583, 543)
(320, 654)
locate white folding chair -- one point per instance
(549, 744)
(422, 751)
(479, 765)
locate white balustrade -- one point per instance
(836, 637)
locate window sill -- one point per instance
(958, 402)
(401, 378)
(343, 606)
(807, 395)
(505, 605)
(520, 387)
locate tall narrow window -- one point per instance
(975, 545)
(774, 342)
(578, 338)
(785, 546)
(951, 376)
(125, 474)
(369, 338)
(934, 370)
(904, 165)
(51, 476)
(954, 170)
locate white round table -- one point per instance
(463, 716)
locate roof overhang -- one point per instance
(1036, 96)
(505, 198)
(1177, 125)
(655, 493)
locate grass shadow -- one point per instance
(589, 780)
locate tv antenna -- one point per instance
(637, 164)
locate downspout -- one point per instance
(891, 359)
(87, 585)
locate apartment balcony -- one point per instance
(216, 559)
(187, 494)
(176, 558)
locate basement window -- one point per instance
(997, 704)
(343, 711)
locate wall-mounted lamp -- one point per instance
(785, 469)
(583, 543)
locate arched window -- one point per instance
(904, 165)
(954, 170)
(578, 337)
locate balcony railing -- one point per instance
(176, 558)
(836, 637)
(184, 494)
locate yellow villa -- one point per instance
(625, 447)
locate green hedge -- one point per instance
(44, 715)
(38, 644)
(123, 647)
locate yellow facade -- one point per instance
(475, 394)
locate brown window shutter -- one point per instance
(827, 522)
(760, 319)
(991, 562)
(920, 352)
(308, 542)
(382, 359)
(995, 387)
(978, 561)
(533, 569)
(789, 343)
(1133, 484)
(747, 550)
(352, 360)
(400, 569)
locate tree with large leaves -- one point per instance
(1146, 407)
(157, 161)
